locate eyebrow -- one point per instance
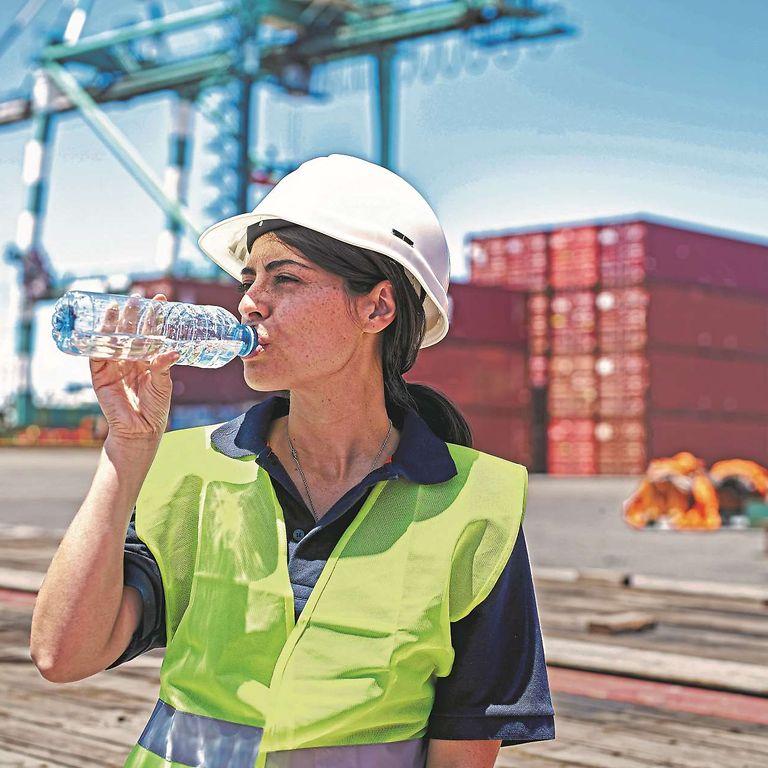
(273, 265)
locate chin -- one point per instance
(261, 383)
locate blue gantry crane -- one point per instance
(210, 57)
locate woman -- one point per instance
(339, 578)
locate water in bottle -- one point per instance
(114, 327)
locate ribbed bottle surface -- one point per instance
(108, 326)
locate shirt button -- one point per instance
(298, 534)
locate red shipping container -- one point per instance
(475, 373)
(622, 384)
(622, 254)
(572, 386)
(629, 251)
(691, 382)
(631, 319)
(694, 317)
(681, 255)
(538, 324)
(573, 320)
(711, 439)
(487, 313)
(571, 447)
(538, 370)
(517, 262)
(621, 446)
(622, 319)
(500, 432)
(573, 254)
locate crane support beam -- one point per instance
(203, 70)
(118, 144)
(281, 11)
(171, 23)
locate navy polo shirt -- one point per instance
(498, 686)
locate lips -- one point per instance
(257, 350)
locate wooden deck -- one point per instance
(698, 703)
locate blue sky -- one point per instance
(653, 106)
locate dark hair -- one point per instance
(361, 269)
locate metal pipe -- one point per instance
(176, 179)
(29, 235)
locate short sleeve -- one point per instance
(498, 687)
(140, 570)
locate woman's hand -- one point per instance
(134, 395)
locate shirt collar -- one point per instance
(420, 457)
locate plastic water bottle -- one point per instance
(114, 327)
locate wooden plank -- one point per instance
(654, 665)
(712, 733)
(613, 623)
(25, 581)
(748, 592)
(668, 697)
(589, 736)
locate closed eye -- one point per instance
(243, 287)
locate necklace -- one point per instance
(301, 472)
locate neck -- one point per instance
(337, 435)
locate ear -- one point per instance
(379, 307)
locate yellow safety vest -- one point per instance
(351, 683)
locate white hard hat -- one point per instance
(360, 203)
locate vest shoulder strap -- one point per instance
(494, 492)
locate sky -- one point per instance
(652, 106)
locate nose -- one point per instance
(252, 304)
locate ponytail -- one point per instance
(437, 410)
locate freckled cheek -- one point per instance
(318, 327)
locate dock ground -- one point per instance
(656, 642)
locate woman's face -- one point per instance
(312, 328)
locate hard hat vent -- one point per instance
(402, 236)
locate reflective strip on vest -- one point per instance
(205, 742)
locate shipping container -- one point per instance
(538, 324)
(501, 432)
(627, 251)
(622, 254)
(687, 317)
(710, 438)
(707, 319)
(678, 317)
(621, 446)
(681, 255)
(622, 319)
(573, 256)
(573, 321)
(571, 448)
(515, 262)
(475, 373)
(691, 382)
(480, 313)
(572, 386)
(623, 380)
(538, 370)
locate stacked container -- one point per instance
(649, 338)
(481, 365)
